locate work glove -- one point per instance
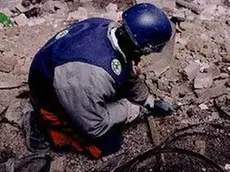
(162, 108)
(158, 107)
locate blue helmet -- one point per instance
(148, 27)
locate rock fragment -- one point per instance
(21, 20)
(7, 62)
(203, 106)
(203, 80)
(226, 58)
(224, 75)
(192, 70)
(80, 14)
(214, 70)
(111, 7)
(207, 94)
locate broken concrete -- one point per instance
(7, 62)
(192, 70)
(21, 20)
(214, 70)
(207, 94)
(203, 80)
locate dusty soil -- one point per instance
(197, 81)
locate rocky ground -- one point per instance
(196, 79)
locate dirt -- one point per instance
(202, 40)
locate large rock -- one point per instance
(203, 80)
(214, 70)
(192, 70)
(207, 94)
(21, 20)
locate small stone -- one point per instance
(203, 80)
(21, 20)
(228, 68)
(215, 115)
(192, 70)
(80, 14)
(36, 21)
(48, 6)
(200, 146)
(226, 58)
(7, 62)
(180, 16)
(214, 70)
(227, 167)
(224, 75)
(203, 107)
(192, 46)
(111, 7)
(221, 11)
(59, 164)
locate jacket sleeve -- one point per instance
(86, 92)
(134, 89)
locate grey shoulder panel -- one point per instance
(85, 90)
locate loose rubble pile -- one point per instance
(197, 80)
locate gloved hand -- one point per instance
(162, 108)
(158, 107)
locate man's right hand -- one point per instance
(162, 108)
(158, 107)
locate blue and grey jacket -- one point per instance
(86, 71)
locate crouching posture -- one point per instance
(83, 88)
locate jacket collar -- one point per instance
(112, 38)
